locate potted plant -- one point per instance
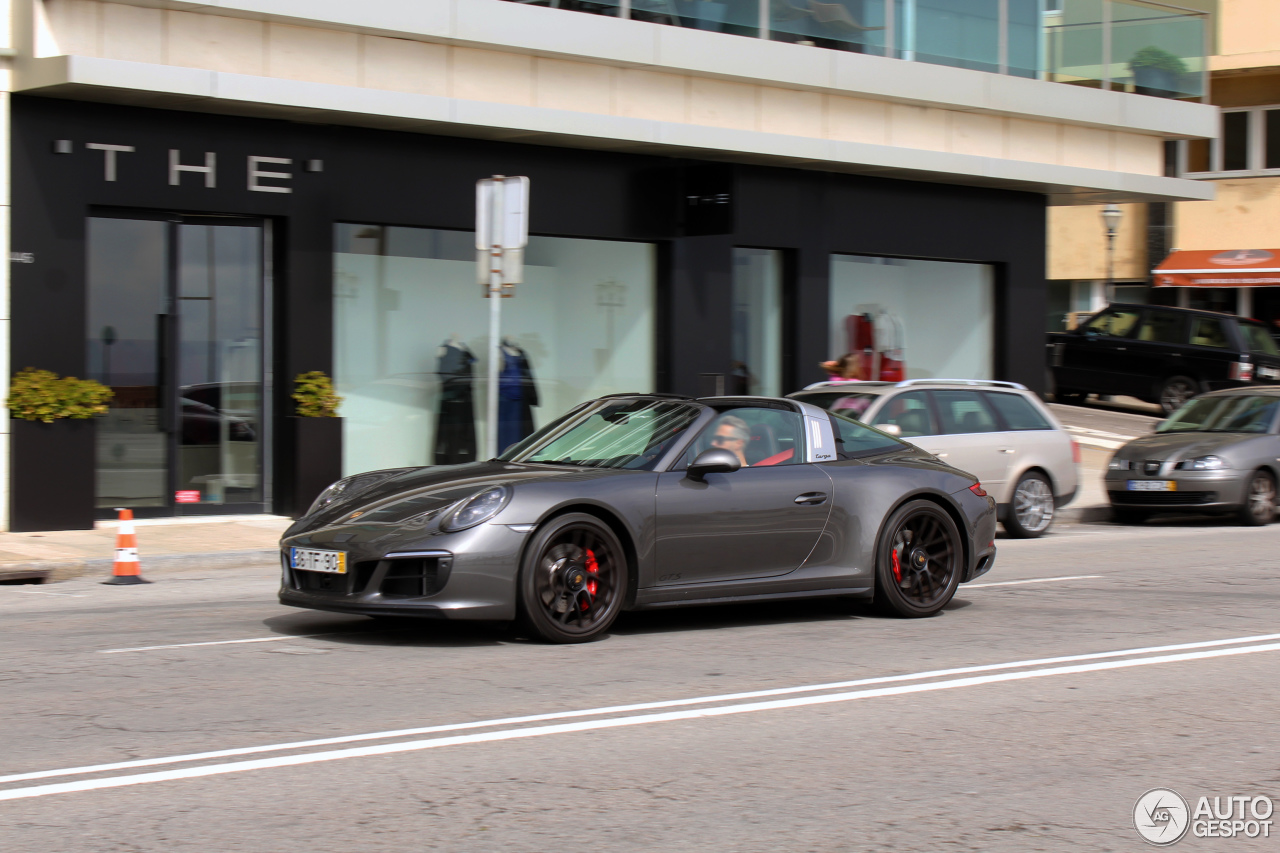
(1157, 72)
(53, 449)
(317, 438)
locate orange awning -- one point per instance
(1232, 268)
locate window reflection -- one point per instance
(411, 340)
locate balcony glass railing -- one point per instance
(1137, 46)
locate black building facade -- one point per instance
(197, 263)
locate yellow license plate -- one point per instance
(314, 560)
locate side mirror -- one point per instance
(713, 461)
(892, 429)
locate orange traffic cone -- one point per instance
(126, 569)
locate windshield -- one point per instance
(1223, 414)
(630, 434)
(1258, 339)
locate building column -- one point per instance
(1244, 301)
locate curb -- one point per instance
(63, 570)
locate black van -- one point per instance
(1161, 355)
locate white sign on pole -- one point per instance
(502, 231)
(515, 212)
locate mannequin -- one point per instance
(455, 421)
(517, 394)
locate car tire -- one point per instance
(1129, 515)
(914, 580)
(573, 579)
(1032, 507)
(1259, 506)
(1070, 396)
(1174, 391)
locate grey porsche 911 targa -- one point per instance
(643, 501)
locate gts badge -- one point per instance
(671, 577)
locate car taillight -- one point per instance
(977, 489)
(1242, 370)
(1075, 451)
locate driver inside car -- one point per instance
(732, 434)
(735, 435)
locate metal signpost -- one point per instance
(502, 232)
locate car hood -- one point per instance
(1183, 445)
(416, 492)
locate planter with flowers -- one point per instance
(317, 438)
(53, 449)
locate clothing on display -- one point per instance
(517, 395)
(455, 422)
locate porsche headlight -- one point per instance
(477, 509)
(1204, 463)
(1118, 464)
(350, 486)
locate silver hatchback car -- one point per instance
(1220, 452)
(998, 431)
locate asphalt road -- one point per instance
(797, 727)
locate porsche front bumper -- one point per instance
(465, 575)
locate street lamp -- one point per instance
(1111, 215)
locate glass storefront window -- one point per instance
(757, 323)
(411, 340)
(913, 319)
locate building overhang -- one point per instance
(1219, 268)
(169, 87)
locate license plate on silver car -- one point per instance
(313, 560)
(1268, 373)
(1153, 485)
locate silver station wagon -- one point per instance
(998, 431)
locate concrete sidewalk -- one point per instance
(163, 545)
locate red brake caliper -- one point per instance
(897, 569)
(593, 568)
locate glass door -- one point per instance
(176, 329)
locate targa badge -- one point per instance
(1161, 816)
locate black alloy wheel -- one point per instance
(918, 561)
(1259, 500)
(573, 581)
(1175, 391)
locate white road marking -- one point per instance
(212, 643)
(616, 722)
(1033, 580)
(1100, 438)
(615, 709)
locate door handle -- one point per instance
(1006, 450)
(811, 498)
(1121, 349)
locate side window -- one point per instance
(1017, 411)
(759, 437)
(1208, 332)
(1117, 323)
(856, 440)
(910, 412)
(964, 412)
(1164, 327)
